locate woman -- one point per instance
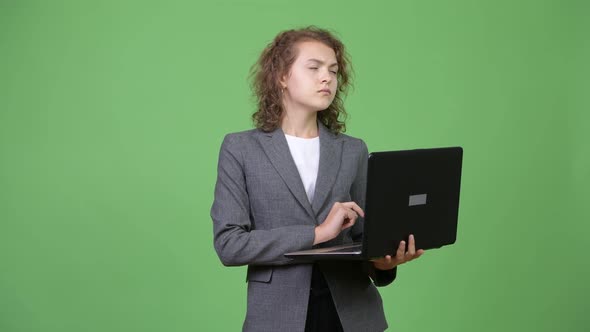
(294, 182)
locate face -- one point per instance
(312, 80)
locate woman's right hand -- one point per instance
(341, 216)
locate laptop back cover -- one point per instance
(412, 192)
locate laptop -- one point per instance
(408, 192)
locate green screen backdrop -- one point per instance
(112, 114)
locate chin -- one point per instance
(322, 106)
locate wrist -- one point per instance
(319, 235)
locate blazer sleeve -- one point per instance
(235, 241)
(357, 193)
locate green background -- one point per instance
(112, 114)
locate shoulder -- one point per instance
(234, 144)
(241, 135)
(353, 143)
(239, 139)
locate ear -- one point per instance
(283, 81)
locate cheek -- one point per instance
(298, 81)
(304, 83)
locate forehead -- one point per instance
(314, 50)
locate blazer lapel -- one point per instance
(276, 148)
(330, 159)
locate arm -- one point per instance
(235, 240)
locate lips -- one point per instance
(325, 90)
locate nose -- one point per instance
(326, 77)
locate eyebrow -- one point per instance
(335, 64)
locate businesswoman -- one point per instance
(297, 182)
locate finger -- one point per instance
(349, 214)
(401, 250)
(419, 253)
(346, 212)
(387, 262)
(412, 246)
(349, 219)
(385, 259)
(348, 223)
(355, 207)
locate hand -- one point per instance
(402, 256)
(341, 216)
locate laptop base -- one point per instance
(351, 251)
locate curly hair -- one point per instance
(276, 61)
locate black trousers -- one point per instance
(321, 312)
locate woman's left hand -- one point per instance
(401, 256)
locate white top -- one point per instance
(306, 154)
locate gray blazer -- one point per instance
(261, 212)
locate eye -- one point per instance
(313, 68)
(333, 72)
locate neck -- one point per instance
(300, 124)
